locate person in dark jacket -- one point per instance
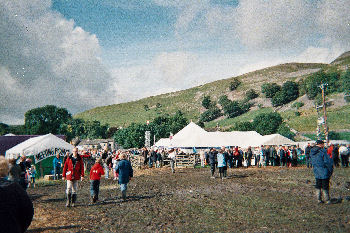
(15, 171)
(335, 155)
(307, 156)
(23, 165)
(124, 169)
(323, 170)
(212, 161)
(16, 208)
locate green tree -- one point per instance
(4, 129)
(46, 119)
(291, 90)
(206, 102)
(236, 108)
(345, 81)
(210, 114)
(279, 99)
(285, 131)
(267, 123)
(270, 89)
(146, 107)
(234, 84)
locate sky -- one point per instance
(86, 53)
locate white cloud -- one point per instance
(46, 59)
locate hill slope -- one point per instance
(189, 101)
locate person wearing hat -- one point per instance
(323, 169)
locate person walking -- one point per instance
(124, 169)
(23, 180)
(202, 157)
(73, 171)
(31, 176)
(95, 176)
(323, 170)
(249, 156)
(57, 164)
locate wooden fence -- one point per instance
(180, 161)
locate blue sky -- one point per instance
(81, 54)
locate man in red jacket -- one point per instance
(73, 171)
(95, 175)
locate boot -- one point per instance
(74, 198)
(94, 199)
(124, 195)
(326, 196)
(319, 196)
(69, 200)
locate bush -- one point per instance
(206, 102)
(345, 81)
(235, 108)
(279, 99)
(223, 100)
(243, 126)
(234, 84)
(297, 113)
(251, 94)
(210, 114)
(270, 89)
(285, 131)
(297, 105)
(291, 90)
(267, 123)
(311, 83)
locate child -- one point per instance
(221, 164)
(31, 176)
(95, 175)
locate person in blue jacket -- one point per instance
(57, 164)
(124, 169)
(323, 170)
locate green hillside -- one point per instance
(189, 101)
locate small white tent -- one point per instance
(276, 139)
(40, 147)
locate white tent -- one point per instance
(40, 147)
(276, 139)
(194, 136)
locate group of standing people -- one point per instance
(73, 172)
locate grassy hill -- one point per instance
(189, 101)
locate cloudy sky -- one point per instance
(85, 53)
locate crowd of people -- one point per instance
(19, 175)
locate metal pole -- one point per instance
(323, 86)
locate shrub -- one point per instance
(291, 90)
(270, 89)
(251, 94)
(285, 131)
(297, 105)
(297, 113)
(243, 126)
(279, 99)
(234, 84)
(223, 100)
(210, 114)
(206, 102)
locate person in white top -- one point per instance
(172, 156)
(202, 157)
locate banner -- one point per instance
(49, 153)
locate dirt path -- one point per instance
(250, 200)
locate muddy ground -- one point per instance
(250, 200)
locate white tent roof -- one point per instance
(163, 142)
(10, 134)
(194, 136)
(276, 139)
(36, 145)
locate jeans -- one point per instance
(57, 172)
(106, 170)
(308, 162)
(94, 188)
